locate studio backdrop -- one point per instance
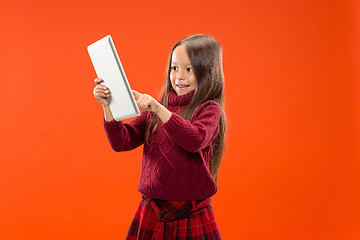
(291, 163)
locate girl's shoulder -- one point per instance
(209, 106)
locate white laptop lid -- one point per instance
(108, 67)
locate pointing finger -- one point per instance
(136, 94)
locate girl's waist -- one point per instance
(169, 210)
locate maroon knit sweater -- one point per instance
(175, 163)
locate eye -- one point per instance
(189, 69)
(174, 68)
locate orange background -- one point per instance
(290, 170)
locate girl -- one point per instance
(183, 137)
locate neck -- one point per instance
(179, 100)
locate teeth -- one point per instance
(182, 86)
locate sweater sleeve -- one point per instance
(198, 134)
(126, 136)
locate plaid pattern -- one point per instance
(173, 220)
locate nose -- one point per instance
(180, 74)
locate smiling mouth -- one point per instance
(182, 86)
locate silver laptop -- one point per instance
(108, 67)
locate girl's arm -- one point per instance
(198, 134)
(121, 136)
(107, 113)
(125, 136)
(192, 136)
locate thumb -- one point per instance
(136, 94)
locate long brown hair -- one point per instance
(205, 55)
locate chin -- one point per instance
(180, 91)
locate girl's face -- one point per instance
(182, 76)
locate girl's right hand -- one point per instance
(101, 92)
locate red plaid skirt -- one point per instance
(173, 220)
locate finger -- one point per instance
(141, 104)
(136, 94)
(98, 81)
(144, 107)
(146, 104)
(99, 90)
(105, 90)
(102, 90)
(101, 95)
(103, 87)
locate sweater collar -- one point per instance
(182, 100)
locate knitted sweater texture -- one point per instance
(175, 163)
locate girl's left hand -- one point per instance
(146, 103)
